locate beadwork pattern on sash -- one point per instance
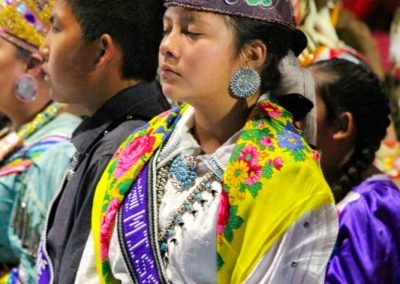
(135, 233)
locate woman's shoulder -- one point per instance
(60, 127)
(62, 124)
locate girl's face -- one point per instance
(324, 133)
(11, 67)
(197, 57)
(334, 150)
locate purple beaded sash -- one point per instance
(136, 233)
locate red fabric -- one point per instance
(360, 8)
(382, 40)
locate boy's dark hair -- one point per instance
(354, 88)
(136, 26)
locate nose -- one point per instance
(44, 52)
(169, 46)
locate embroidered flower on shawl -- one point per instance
(278, 163)
(237, 173)
(133, 152)
(266, 141)
(254, 174)
(223, 212)
(316, 155)
(270, 109)
(290, 140)
(261, 125)
(240, 196)
(249, 155)
(106, 228)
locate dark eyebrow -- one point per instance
(187, 19)
(166, 18)
(51, 19)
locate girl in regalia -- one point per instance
(28, 180)
(223, 189)
(352, 117)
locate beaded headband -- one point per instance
(25, 22)
(273, 11)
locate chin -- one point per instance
(170, 92)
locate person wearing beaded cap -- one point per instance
(37, 127)
(223, 189)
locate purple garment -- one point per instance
(368, 246)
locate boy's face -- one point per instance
(69, 59)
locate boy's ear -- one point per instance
(106, 49)
(344, 126)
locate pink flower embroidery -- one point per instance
(106, 227)
(133, 152)
(315, 154)
(223, 212)
(271, 110)
(278, 163)
(254, 174)
(261, 124)
(266, 141)
(249, 155)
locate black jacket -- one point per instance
(96, 140)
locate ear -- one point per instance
(106, 50)
(344, 126)
(34, 65)
(255, 54)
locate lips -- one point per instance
(167, 71)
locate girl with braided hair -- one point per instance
(352, 117)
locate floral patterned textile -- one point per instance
(24, 157)
(272, 178)
(388, 158)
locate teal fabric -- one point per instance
(26, 196)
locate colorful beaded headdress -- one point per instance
(25, 22)
(273, 11)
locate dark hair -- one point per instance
(354, 88)
(22, 53)
(135, 25)
(276, 37)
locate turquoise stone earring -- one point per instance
(245, 82)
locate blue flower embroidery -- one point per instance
(290, 138)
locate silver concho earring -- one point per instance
(245, 82)
(26, 88)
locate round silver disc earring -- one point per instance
(26, 88)
(245, 82)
